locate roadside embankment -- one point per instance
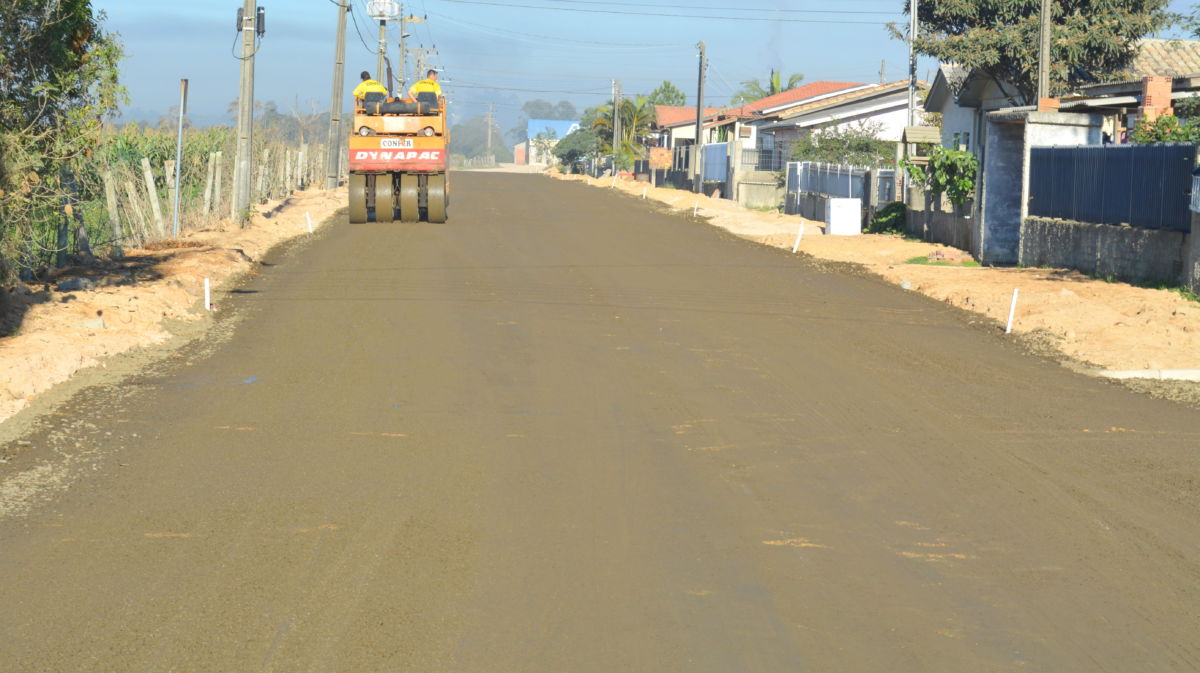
(82, 315)
(1096, 324)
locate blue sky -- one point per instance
(506, 52)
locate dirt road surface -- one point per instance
(563, 432)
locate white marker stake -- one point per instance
(643, 192)
(694, 207)
(309, 218)
(1011, 311)
(799, 235)
(614, 182)
(207, 295)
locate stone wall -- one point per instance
(758, 189)
(1130, 254)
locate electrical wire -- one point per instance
(673, 16)
(540, 39)
(744, 9)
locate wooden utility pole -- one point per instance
(912, 63)
(245, 140)
(698, 157)
(1043, 89)
(332, 160)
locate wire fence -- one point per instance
(123, 195)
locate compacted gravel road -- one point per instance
(566, 433)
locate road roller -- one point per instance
(399, 156)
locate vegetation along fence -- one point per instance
(1146, 186)
(122, 194)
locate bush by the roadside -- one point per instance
(888, 219)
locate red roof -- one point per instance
(673, 115)
(797, 95)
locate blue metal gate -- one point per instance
(1146, 186)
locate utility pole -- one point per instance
(421, 53)
(912, 63)
(334, 146)
(382, 11)
(1043, 89)
(245, 140)
(404, 21)
(616, 122)
(489, 130)
(698, 178)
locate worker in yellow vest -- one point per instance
(430, 83)
(368, 85)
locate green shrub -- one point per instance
(888, 219)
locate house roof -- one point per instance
(946, 84)
(922, 134)
(675, 115)
(1173, 58)
(784, 98)
(870, 91)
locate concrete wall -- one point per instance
(1130, 254)
(1010, 136)
(998, 231)
(1191, 257)
(758, 189)
(942, 225)
(807, 205)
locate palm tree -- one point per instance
(637, 116)
(753, 90)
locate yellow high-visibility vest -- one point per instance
(423, 86)
(369, 86)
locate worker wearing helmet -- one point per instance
(429, 84)
(368, 85)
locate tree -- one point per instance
(637, 116)
(856, 144)
(1091, 40)
(541, 109)
(575, 147)
(753, 90)
(667, 94)
(58, 82)
(470, 140)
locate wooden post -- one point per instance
(301, 163)
(287, 174)
(64, 229)
(110, 199)
(261, 190)
(208, 182)
(83, 243)
(217, 157)
(172, 188)
(152, 196)
(136, 205)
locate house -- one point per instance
(738, 122)
(541, 137)
(676, 124)
(964, 97)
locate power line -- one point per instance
(673, 16)
(744, 9)
(539, 39)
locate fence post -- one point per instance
(110, 199)
(172, 188)
(152, 195)
(262, 175)
(218, 158)
(136, 205)
(208, 183)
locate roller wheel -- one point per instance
(384, 204)
(435, 199)
(358, 198)
(409, 198)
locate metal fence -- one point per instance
(763, 159)
(1146, 186)
(829, 179)
(716, 163)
